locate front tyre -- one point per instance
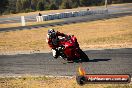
(83, 56)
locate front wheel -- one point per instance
(83, 56)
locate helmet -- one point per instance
(51, 33)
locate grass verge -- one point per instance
(47, 82)
(111, 33)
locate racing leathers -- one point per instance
(53, 42)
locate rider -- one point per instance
(53, 40)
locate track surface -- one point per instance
(109, 61)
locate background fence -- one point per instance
(69, 14)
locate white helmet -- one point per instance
(51, 33)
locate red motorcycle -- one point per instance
(69, 49)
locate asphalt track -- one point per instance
(107, 61)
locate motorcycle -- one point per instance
(69, 49)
